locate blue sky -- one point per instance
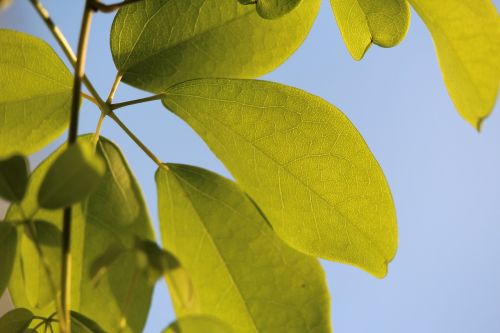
(444, 176)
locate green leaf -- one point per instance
(466, 35)
(153, 49)
(72, 177)
(302, 161)
(157, 261)
(101, 264)
(363, 22)
(242, 272)
(272, 9)
(114, 213)
(16, 321)
(13, 178)
(35, 94)
(8, 249)
(46, 234)
(198, 324)
(83, 324)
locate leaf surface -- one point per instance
(16, 321)
(241, 271)
(272, 9)
(302, 161)
(8, 249)
(13, 178)
(83, 324)
(35, 94)
(114, 212)
(466, 35)
(157, 43)
(363, 22)
(198, 324)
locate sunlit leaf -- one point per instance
(16, 321)
(157, 261)
(8, 249)
(242, 272)
(153, 48)
(272, 9)
(198, 324)
(302, 161)
(363, 22)
(114, 212)
(101, 264)
(35, 94)
(72, 177)
(13, 178)
(466, 35)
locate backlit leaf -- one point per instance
(467, 39)
(153, 49)
(242, 272)
(114, 212)
(83, 324)
(272, 9)
(363, 22)
(35, 94)
(13, 178)
(72, 177)
(198, 324)
(16, 321)
(8, 248)
(302, 161)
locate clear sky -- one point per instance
(444, 176)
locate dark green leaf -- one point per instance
(13, 178)
(46, 233)
(8, 249)
(73, 176)
(241, 271)
(153, 47)
(83, 324)
(198, 324)
(16, 321)
(35, 94)
(157, 261)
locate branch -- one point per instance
(137, 101)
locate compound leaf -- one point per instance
(363, 22)
(466, 35)
(152, 48)
(198, 324)
(13, 178)
(114, 212)
(302, 161)
(241, 271)
(35, 94)
(8, 249)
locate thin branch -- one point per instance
(63, 43)
(97, 132)
(115, 85)
(137, 101)
(90, 98)
(136, 140)
(98, 6)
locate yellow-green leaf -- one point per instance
(242, 272)
(198, 324)
(114, 212)
(8, 249)
(302, 161)
(363, 22)
(153, 49)
(467, 39)
(35, 94)
(272, 9)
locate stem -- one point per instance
(65, 321)
(137, 101)
(63, 43)
(136, 140)
(95, 138)
(90, 98)
(115, 85)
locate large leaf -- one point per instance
(72, 177)
(157, 43)
(114, 212)
(302, 161)
(198, 324)
(242, 272)
(35, 94)
(363, 22)
(272, 9)
(16, 321)
(8, 248)
(13, 178)
(466, 35)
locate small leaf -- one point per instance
(72, 177)
(16, 321)
(241, 271)
(153, 49)
(272, 9)
(46, 233)
(198, 324)
(83, 324)
(8, 249)
(13, 178)
(466, 35)
(363, 22)
(35, 94)
(157, 261)
(303, 163)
